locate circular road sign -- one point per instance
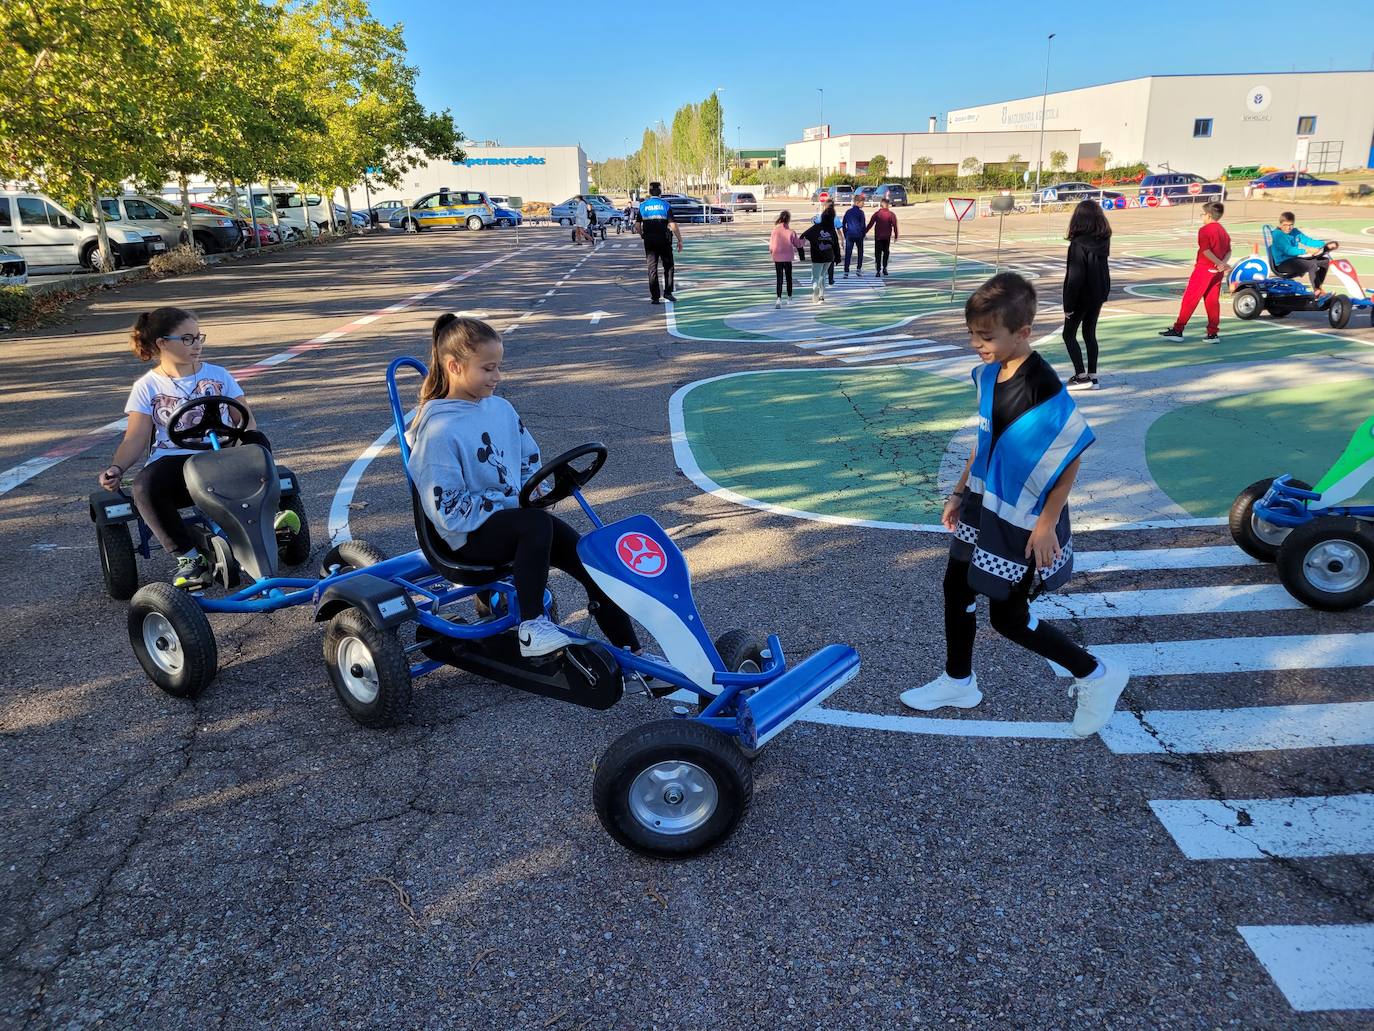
(1152, 201)
(1194, 188)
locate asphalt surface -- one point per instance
(256, 859)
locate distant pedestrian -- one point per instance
(783, 245)
(1293, 260)
(654, 222)
(1087, 281)
(855, 226)
(884, 226)
(824, 239)
(1209, 272)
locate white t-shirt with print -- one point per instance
(158, 395)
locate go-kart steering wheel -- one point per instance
(566, 476)
(193, 438)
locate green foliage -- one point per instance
(1059, 160)
(686, 151)
(877, 169)
(971, 165)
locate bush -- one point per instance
(16, 307)
(178, 261)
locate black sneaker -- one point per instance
(192, 572)
(1212, 338)
(670, 297)
(1172, 334)
(1082, 381)
(653, 300)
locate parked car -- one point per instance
(606, 212)
(894, 192)
(211, 233)
(1174, 186)
(1284, 180)
(740, 200)
(47, 235)
(865, 193)
(384, 210)
(14, 270)
(502, 201)
(292, 208)
(266, 234)
(453, 208)
(1072, 193)
(840, 194)
(695, 211)
(360, 220)
(505, 216)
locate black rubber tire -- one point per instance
(205, 242)
(1241, 524)
(389, 665)
(350, 555)
(296, 551)
(1279, 313)
(472, 228)
(738, 649)
(1339, 312)
(667, 741)
(90, 256)
(118, 563)
(1247, 304)
(194, 640)
(1299, 544)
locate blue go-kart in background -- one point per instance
(1256, 288)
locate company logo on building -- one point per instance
(529, 159)
(1257, 103)
(1010, 117)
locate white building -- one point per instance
(551, 174)
(1204, 123)
(947, 151)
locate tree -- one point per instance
(1104, 160)
(971, 165)
(877, 167)
(1013, 159)
(1058, 160)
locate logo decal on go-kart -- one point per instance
(641, 554)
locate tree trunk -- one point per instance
(271, 206)
(329, 212)
(305, 212)
(256, 241)
(186, 209)
(106, 252)
(348, 207)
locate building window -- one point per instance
(1307, 125)
(1202, 127)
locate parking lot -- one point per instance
(1197, 865)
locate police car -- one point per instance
(453, 208)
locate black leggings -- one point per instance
(882, 251)
(1086, 316)
(1010, 618)
(534, 539)
(160, 490)
(783, 270)
(1314, 268)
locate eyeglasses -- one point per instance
(189, 340)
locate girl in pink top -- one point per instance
(785, 247)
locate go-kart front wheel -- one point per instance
(1329, 563)
(118, 563)
(672, 788)
(350, 555)
(369, 668)
(1255, 536)
(173, 640)
(1247, 304)
(1339, 312)
(294, 548)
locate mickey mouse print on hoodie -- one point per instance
(464, 452)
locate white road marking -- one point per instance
(1251, 729)
(1239, 654)
(887, 344)
(343, 496)
(1176, 601)
(901, 337)
(1327, 967)
(277, 359)
(1161, 558)
(905, 352)
(1266, 828)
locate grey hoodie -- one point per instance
(468, 459)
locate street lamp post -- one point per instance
(1044, 97)
(820, 137)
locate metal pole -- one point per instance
(954, 272)
(1044, 98)
(820, 137)
(1000, 219)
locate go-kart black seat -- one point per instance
(444, 559)
(239, 488)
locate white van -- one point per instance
(47, 235)
(291, 209)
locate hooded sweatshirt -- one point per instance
(784, 243)
(469, 459)
(1087, 280)
(824, 242)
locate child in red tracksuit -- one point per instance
(1213, 254)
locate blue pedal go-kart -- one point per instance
(1256, 288)
(1323, 547)
(114, 513)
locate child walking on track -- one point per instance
(1209, 272)
(825, 249)
(783, 245)
(1087, 282)
(1009, 512)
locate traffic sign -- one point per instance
(1194, 188)
(959, 208)
(1152, 201)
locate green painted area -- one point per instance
(1204, 454)
(853, 443)
(1133, 341)
(728, 293)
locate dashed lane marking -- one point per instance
(1264, 728)
(1268, 828)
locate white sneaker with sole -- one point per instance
(943, 690)
(1097, 698)
(540, 637)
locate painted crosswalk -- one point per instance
(1261, 728)
(1264, 828)
(1321, 967)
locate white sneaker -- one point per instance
(1097, 699)
(778, 304)
(540, 637)
(943, 690)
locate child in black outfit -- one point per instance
(1009, 511)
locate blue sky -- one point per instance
(542, 74)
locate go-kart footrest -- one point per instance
(498, 658)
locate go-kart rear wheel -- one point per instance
(348, 556)
(1329, 563)
(742, 652)
(1279, 313)
(1253, 535)
(173, 640)
(672, 788)
(294, 549)
(1339, 311)
(118, 563)
(1247, 304)
(369, 668)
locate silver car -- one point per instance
(14, 270)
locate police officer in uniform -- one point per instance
(654, 221)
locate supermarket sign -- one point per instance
(528, 159)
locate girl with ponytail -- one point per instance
(470, 455)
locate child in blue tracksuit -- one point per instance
(855, 225)
(1297, 254)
